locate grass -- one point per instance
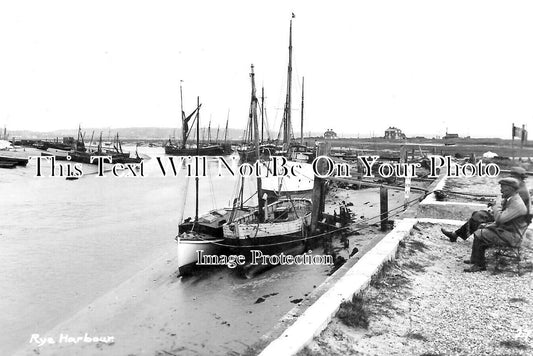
(255, 349)
(517, 300)
(391, 280)
(307, 352)
(515, 344)
(414, 266)
(416, 336)
(415, 245)
(507, 265)
(384, 271)
(354, 313)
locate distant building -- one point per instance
(330, 134)
(394, 133)
(450, 135)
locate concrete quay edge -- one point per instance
(316, 318)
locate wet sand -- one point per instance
(213, 312)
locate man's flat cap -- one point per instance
(519, 172)
(512, 182)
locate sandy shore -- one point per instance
(424, 304)
(144, 317)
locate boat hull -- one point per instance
(299, 185)
(188, 252)
(15, 160)
(60, 155)
(215, 150)
(280, 232)
(8, 164)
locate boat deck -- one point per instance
(280, 211)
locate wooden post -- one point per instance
(522, 135)
(318, 190)
(384, 207)
(327, 149)
(403, 154)
(407, 192)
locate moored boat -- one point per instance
(298, 185)
(16, 160)
(183, 149)
(58, 153)
(284, 219)
(282, 230)
(206, 150)
(271, 229)
(204, 235)
(7, 164)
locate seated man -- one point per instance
(511, 219)
(485, 216)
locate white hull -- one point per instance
(301, 182)
(5, 145)
(187, 250)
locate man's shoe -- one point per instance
(475, 268)
(468, 262)
(449, 234)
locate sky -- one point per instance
(422, 66)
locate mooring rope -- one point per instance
(409, 203)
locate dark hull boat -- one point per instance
(283, 230)
(280, 227)
(208, 150)
(82, 154)
(60, 155)
(8, 164)
(14, 160)
(248, 153)
(205, 149)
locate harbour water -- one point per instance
(64, 244)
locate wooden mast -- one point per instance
(209, 132)
(302, 122)
(91, 143)
(226, 132)
(253, 110)
(287, 116)
(99, 143)
(262, 114)
(184, 127)
(197, 155)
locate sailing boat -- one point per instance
(247, 151)
(297, 154)
(292, 150)
(204, 233)
(183, 149)
(272, 229)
